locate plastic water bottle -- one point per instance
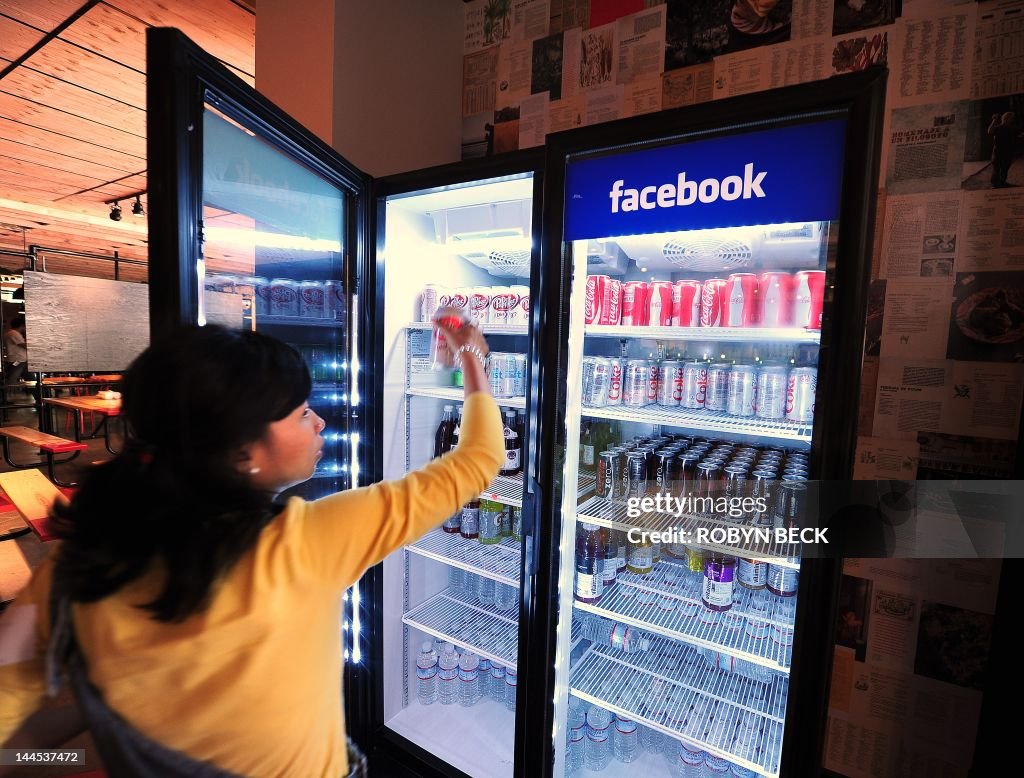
(652, 740)
(426, 674)
(497, 682)
(447, 675)
(625, 741)
(511, 681)
(469, 679)
(485, 590)
(485, 678)
(687, 762)
(603, 632)
(597, 753)
(457, 581)
(505, 597)
(576, 737)
(715, 767)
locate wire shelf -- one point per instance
(667, 602)
(487, 631)
(499, 561)
(734, 718)
(747, 429)
(297, 321)
(456, 394)
(486, 329)
(508, 490)
(708, 334)
(585, 486)
(614, 514)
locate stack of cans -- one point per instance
(507, 375)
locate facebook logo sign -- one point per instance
(786, 174)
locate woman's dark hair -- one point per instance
(18, 321)
(174, 497)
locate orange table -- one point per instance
(106, 408)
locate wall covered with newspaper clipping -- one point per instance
(943, 373)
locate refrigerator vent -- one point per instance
(510, 263)
(708, 253)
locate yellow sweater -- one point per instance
(253, 684)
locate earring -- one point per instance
(253, 470)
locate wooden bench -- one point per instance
(48, 444)
(32, 495)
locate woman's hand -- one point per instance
(472, 357)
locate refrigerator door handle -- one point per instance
(531, 499)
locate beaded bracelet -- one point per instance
(471, 349)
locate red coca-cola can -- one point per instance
(686, 304)
(611, 301)
(740, 300)
(634, 304)
(594, 295)
(712, 302)
(808, 298)
(775, 300)
(659, 304)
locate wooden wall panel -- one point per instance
(46, 118)
(71, 147)
(91, 71)
(107, 31)
(16, 38)
(72, 181)
(44, 14)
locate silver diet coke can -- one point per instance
(718, 388)
(800, 391)
(695, 384)
(595, 382)
(634, 383)
(614, 382)
(771, 392)
(670, 383)
(742, 385)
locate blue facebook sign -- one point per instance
(772, 176)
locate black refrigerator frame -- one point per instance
(861, 96)
(388, 751)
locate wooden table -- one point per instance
(92, 403)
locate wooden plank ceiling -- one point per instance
(73, 112)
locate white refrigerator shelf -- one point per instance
(613, 513)
(487, 631)
(731, 717)
(667, 602)
(506, 489)
(486, 329)
(708, 334)
(499, 561)
(740, 428)
(456, 394)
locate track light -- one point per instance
(137, 209)
(115, 212)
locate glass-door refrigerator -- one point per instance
(710, 329)
(437, 691)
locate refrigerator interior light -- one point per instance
(357, 651)
(275, 240)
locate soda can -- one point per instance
(740, 301)
(614, 382)
(284, 297)
(695, 384)
(742, 387)
(752, 573)
(636, 474)
(430, 300)
(687, 473)
(659, 304)
(261, 294)
(611, 302)
(800, 391)
(609, 474)
(653, 373)
(670, 383)
(634, 385)
(790, 505)
(772, 382)
(712, 302)
(783, 581)
(595, 382)
(736, 487)
(718, 388)
(808, 298)
(775, 299)
(441, 358)
(496, 375)
(334, 293)
(459, 300)
(519, 313)
(686, 296)
(634, 304)
(593, 299)
(796, 469)
(518, 362)
(708, 483)
(479, 304)
(312, 300)
(665, 471)
(501, 306)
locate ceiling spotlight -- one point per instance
(137, 209)
(115, 212)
